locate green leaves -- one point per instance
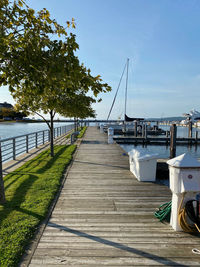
(43, 73)
(20, 3)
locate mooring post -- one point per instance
(173, 132)
(135, 131)
(190, 129)
(167, 136)
(2, 190)
(196, 137)
(145, 131)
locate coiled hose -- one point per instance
(164, 212)
(189, 211)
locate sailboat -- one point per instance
(129, 122)
(126, 118)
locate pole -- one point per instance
(126, 88)
(190, 129)
(173, 131)
(135, 131)
(116, 93)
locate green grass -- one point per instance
(82, 132)
(68, 136)
(29, 192)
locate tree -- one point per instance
(43, 73)
(7, 112)
(79, 106)
(24, 36)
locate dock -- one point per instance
(105, 217)
(154, 140)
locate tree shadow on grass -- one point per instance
(18, 198)
(21, 191)
(27, 168)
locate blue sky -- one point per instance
(161, 38)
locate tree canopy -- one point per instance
(41, 69)
(38, 63)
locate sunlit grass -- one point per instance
(29, 193)
(82, 132)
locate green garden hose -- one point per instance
(164, 212)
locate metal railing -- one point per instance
(17, 145)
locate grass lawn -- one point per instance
(29, 192)
(82, 132)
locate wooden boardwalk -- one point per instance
(104, 216)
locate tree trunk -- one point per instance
(2, 190)
(51, 134)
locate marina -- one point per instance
(99, 133)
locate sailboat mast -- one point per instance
(126, 88)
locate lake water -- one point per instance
(164, 151)
(19, 128)
(14, 129)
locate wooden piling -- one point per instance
(143, 130)
(190, 129)
(196, 137)
(173, 132)
(135, 131)
(167, 135)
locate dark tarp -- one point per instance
(132, 119)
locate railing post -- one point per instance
(72, 138)
(14, 149)
(2, 191)
(49, 135)
(36, 137)
(54, 133)
(43, 137)
(27, 143)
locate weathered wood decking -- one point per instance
(104, 216)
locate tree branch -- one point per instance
(43, 118)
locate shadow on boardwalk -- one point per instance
(161, 260)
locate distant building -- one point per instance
(6, 105)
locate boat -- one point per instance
(192, 116)
(130, 123)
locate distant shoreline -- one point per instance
(21, 121)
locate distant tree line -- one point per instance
(11, 113)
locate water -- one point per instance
(164, 151)
(19, 128)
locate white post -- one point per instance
(101, 128)
(110, 135)
(184, 175)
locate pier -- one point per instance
(154, 140)
(105, 217)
